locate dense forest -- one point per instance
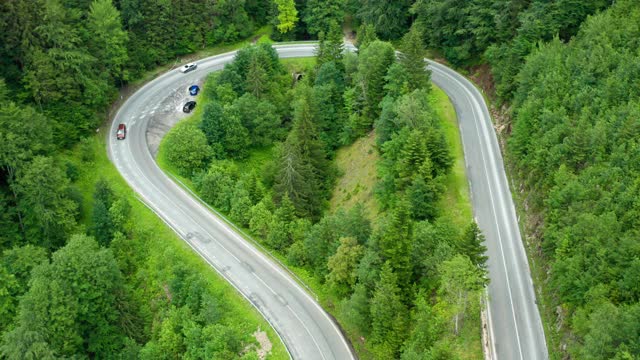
(571, 82)
(75, 281)
(78, 276)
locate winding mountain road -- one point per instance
(305, 328)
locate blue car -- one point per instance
(194, 90)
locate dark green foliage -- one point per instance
(260, 118)
(574, 142)
(319, 15)
(108, 41)
(386, 124)
(373, 64)
(295, 180)
(102, 226)
(225, 132)
(71, 306)
(389, 18)
(187, 149)
(398, 83)
(62, 76)
(159, 32)
(257, 70)
(412, 59)
(427, 329)
(15, 271)
(332, 117)
(331, 46)
(109, 216)
(356, 309)
(9, 222)
(366, 35)
(413, 144)
(212, 125)
(432, 244)
(217, 184)
(609, 332)
(393, 239)
(471, 244)
(305, 173)
(461, 29)
(387, 315)
(504, 31)
(47, 211)
(25, 134)
(423, 195)
(323, 238)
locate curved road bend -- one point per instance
(307, 331)
(514, 321)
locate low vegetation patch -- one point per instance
(357, 166)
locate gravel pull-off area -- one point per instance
(165, 115)
(265, 344)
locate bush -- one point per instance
(186, 148)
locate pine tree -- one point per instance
(342, 266)
(373, 64)
(395, 241)
(366, 35)
(108, 41)
(294, 179)
(331, 46)
(412, 59)
(256, 80)
(471, 244)
(412, 159)
(212, 126)
(102, 225)
(388, 315)
(320, 14)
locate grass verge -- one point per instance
(455, 203)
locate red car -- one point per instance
(122, 132)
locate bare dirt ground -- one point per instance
(264, 345)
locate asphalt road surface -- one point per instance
(306, 329)
(514, 321)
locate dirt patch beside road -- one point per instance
(168, 113)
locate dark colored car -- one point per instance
(188, 67)
(194, 90)
(121, 134)
(189, 106)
